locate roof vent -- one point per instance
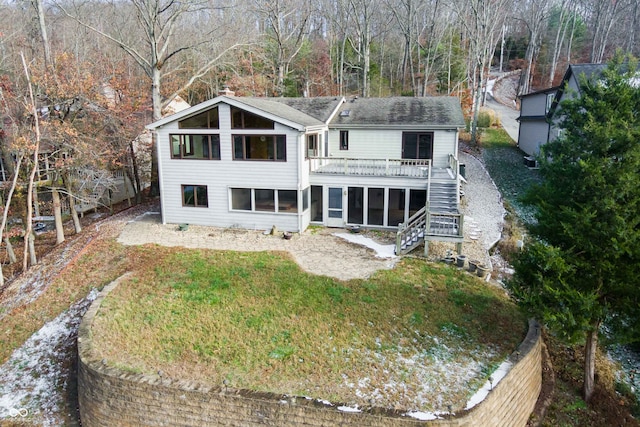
(345, 113)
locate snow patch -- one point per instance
(33, 380)
(141, 216)
(423, 416)
(382, 251)
(496, 377)
(348, 409)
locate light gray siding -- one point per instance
(221, 175)
(387, 144)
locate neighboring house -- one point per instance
(292, 162)
(95, 187)
(539, 110)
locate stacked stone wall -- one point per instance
(109, 396)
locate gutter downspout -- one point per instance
(301, 159)
(154, 136)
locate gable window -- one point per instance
(344, 139)
(260, 147)
(195, 195)
(550, 98)
(206, 120)
(195, 147)
(312, 145)
(241, 119)
(417, 145)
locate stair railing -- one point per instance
(412, 232)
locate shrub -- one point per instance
(484, 119)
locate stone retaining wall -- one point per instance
(109, 396)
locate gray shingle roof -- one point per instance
(590, 71)
(320, 108)
(280, 109)
(434, 112)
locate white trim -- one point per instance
(235, 102)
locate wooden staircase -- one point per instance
(440, 219)
(425, 226)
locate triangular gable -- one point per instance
(574, 70)
(282, 113)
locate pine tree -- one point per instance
(579, 272)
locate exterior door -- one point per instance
(335, 211)
(417, 145)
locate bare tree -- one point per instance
(287, 27)
(361, 12)
(29, 247)
(159, 22)
(5, 213)
(437, 23)
(535, 14)
(482, 21)
(601, 15)
(566, 19)
(405, 14)
(338, 14)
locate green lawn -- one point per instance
(420, 336)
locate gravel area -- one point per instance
(482, 208)
(322, 251)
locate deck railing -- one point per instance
(411, 168)
(445, 224)
(454, 165)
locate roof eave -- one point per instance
(398, 127)
(233, 101)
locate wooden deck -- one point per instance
(410, 168)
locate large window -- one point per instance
(344, 139)
(260, 147)
(416, 145)
(355, 205)
(288, 201)
(241, 119)
(195, 147)
(305, 198)
(395, 211)
(206, 120)
(417, 200)
(375, 214)
(195, 195)
(264, 200)
(316, 203)
(241, 199)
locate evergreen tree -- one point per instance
(578, 273)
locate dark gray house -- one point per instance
(538, 109)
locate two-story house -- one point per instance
(538, 110)
(388, 163)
